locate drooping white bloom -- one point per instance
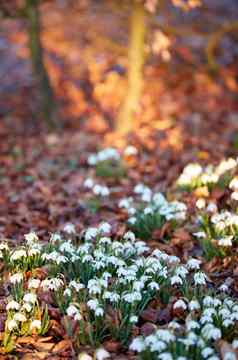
(200, 278)
(20, 317)
(91, 233)
(72, 310)
(180, 304)
(104, 228)
(16, 278)
(225, 241)
(102, 354)
(35, 324)
(176, 280)
(33, 283)
(31, 237)
(130, 150)
(193, 264)
(88, 183)
(18, 254)
(13, 305)
(30, 298)
(201, 203)
(12, 325)
(138, 344)
(69, 229)
(194, 305)
(234, 195)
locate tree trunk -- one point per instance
(46, 97)
(130, 105)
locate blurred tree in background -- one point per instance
(136, 56)
(29, 10)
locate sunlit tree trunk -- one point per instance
(46, 97)
(130, 105)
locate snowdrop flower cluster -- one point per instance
(210, 320)
(194, 175)
(97, 189)
(103, 155)
(151, 211)
(103, 273)
(218, 228)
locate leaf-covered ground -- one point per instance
(82, 280)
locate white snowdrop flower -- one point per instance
(210, 332)
(84, 356)
(33, 283)
(27, 307)
(130, 150)
(176, 280)
(206, 319)
(230, 356)
(102, 354)
(69, 229)
(174, 325)
(129, 236)
(208, 301)
(165, 356)
(224, 287)
(193, 264)
(92, 159)
(35, 324)
(138, 344)
(91, 233)
(234, 183)
(180, 304)
(200, 234)
(153, 286)
(72, 310)
(225, 165)
(158, 346)
(132, 220)
(55, 238)
(139, 188)
(12, 325)
(225, 241)
(165, 335)
(146, 196)
(77, 286)
(209, 312)
(201, 203)
(19, 317)
(125, 203)
(67, 292)
(78, 317)
(191, 325)
(88, 183)
(13, 305)
(211, 208)
(34, 252)
(16, 278)
(52, 284)
(18, 254)
(159, 199)
(30, 298)
(181, 271)
(235, 344)
(200, 278)
(227, 322)
(194, 305)
(131, 211)
(133, 319)
(234, 195)
(31, 237)
(148, 210)
(207, 351)
(214, 357)
(92, 304)
(4, 246)
(99, 311)
(104, 227)
(224, 313)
